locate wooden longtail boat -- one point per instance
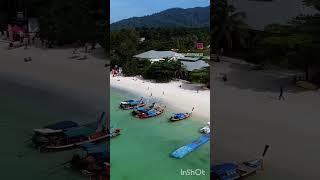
(131, 104)
(61, 126)
(95, 162)
(66, 141)
(231, 171)
(138, 110)
(156, 111)
(180, 116)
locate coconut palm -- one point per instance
(228, 26)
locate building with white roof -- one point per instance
(154, 56)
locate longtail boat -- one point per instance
(205, 129)
(73, 138)
(138, 110)
(180, 116)
(95, 162)
(185, 150)
(131, 104)
(156, 111)
(231, 171)
(61, 126)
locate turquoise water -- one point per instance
(142, 151)
(21, 110)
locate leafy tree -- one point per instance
(295, 45)
(164, 71)
(135, 67)
(69, 21)
(123, 46)
(228, 26)
(201, 76)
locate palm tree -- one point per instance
(228, 26)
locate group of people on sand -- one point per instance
(116, 71)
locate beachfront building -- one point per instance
(191, 63)
(155, 56)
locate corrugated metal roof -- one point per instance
(152, 54)
(190, 66)
(189, 59)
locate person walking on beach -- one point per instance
(281, 93)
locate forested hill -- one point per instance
(175, 17)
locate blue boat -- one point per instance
(156, 111)
(95, 162)
(62, 126)
(231, 171)
(180, 116)
(131, 104)
(143, 109)
(185, 150)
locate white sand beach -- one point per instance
(248, 115)
(182, 98)
(85, 81)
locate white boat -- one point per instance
(206, 129)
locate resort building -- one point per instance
(191, 63)
(154, 56)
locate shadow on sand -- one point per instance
(242, 76)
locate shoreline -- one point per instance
(178, 98)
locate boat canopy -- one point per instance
(62, 125)
(222, 170)
(98, 151)
(179, 115)
(152, 112)
(140, 108)
(79, 131)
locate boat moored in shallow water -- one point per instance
(61, 126)
(156, 111)
(231, 171)
(131, 104)
(180, 116)
(143, 109)
(206, 129)
(185, 150)
(95, 162)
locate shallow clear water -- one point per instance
(143, 149)
(21, 110)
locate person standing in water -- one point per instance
(281, 93)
